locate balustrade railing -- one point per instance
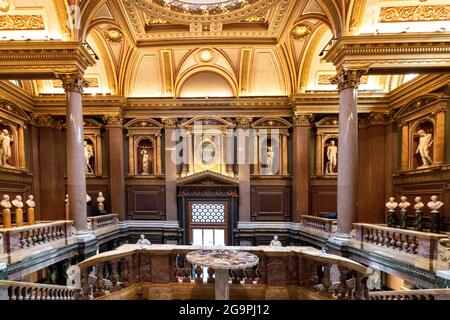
(34, 236)
(421, 244)
(426, 294)
(103, 221)
(322, 224)
(303, 267)
(15, 290)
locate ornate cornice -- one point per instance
(42, 59)
(46, 121)
(72, 82)
(419, 52)
(244, 122)
(348, 78)
(169, 123)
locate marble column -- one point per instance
(347, 193)
(76, 175)
(190, 151)
(243, 158)
(170, 125)
(301, 165)
(22, 165)
(116, 165)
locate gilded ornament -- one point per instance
(113, 35)
(301, 31)
(22, 22)
(206, 55)
(415, 13)
(4, 5)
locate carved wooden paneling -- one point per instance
(271, 203)
(323, 199)
(146, 202)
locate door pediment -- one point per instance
(208, 178)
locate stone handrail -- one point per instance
(314, 222)
(166, 264)
(426, 294)
(422, 244)
(16, 290)
(40, 234)
(98, 222)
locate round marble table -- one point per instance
(222, 261)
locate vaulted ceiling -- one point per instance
(199, 48)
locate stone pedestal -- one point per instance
(7, 218)
(347, 196)
(435, 224)
(391, 218)
(31, 216)
(418, 221)
(403, 219)
(19, 217)
(222, 288)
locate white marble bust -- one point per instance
(30, 202)
(100, 200)
(435, 204)
(5, 203)
(17, 202)
(275, 242)
(142, 241)
(419, 204)
(391, 205)
(404, 204)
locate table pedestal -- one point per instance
(222, 286)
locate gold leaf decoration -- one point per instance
(22, 22)
(415, 13)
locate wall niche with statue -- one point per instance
(422, 124)
(144, 147)
(93, 161)
(13, 126)
(327, 147)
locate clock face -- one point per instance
(206, 55)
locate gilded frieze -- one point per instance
(22, 22)
(415, 13)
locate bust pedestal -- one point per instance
(391, 218)
(19, 217)
(31, 217)
(435, 224)
(403, 219)
(7, 218)
(419, 221)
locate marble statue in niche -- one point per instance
(424, 144)
(88, 156)
(145, 157)
(5, 142)
(331, 153)
(270, 155)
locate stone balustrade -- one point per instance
(160, 270)
(103, 221)
(322, 227)
(17, 240)
(427, 294)
(418, 248)
(15, 290)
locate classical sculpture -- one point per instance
(145, 159)
(270, 155)
(419, 213)
(434, 206)
(275, 242)
(17, 202)
(403, 205)
(332, 151)
(88, 154)
(425, 142)
(66, 201)
(5, 143)
(100, 200)
(6, 204)
(208, 153)
(391, 206)
(30, 212)
(142, 241)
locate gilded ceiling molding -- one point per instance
(415, 13)
(21, 22)
(5, 5)
(357, 14)
(61, 9)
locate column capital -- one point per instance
(349, 78)
(113, 121)
(378, 118)
(72, 81)
(244, 122)
(169, 123)
(47, 121)
(302, 120)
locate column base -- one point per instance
(341, 238)
(84, 236)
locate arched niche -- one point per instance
(422, 143)
(206, 83)
(13, 123)
(144, 136)
(93, 147)
(327, 130)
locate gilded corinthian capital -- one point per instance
(302, 120)
(113, 121)
(72, 81)
(348, 78)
